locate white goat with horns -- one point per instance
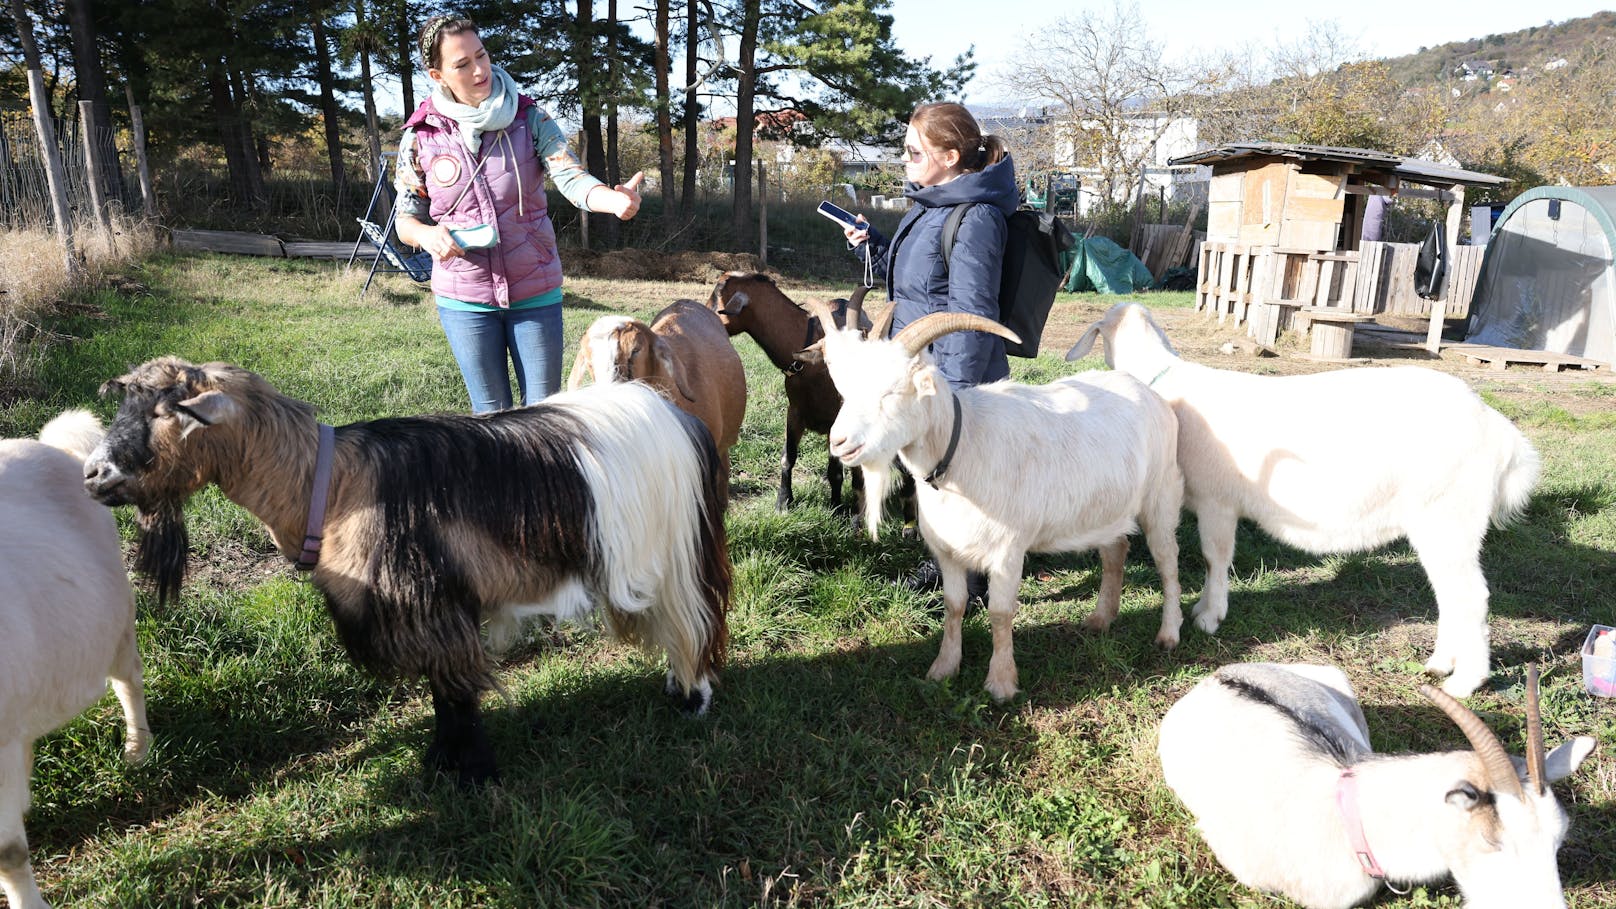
(1340, 461)
(1275, 764)
(67, 620)
(1006, 469)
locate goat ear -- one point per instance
(1464, 796)
(1564, 760)
(672, 366)
(206, 409)
(1084, 344)
(732, 307)
(812, 354)
(924, 381)
(580, 365)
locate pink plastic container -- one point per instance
(1599, 671)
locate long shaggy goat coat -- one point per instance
(436, 524)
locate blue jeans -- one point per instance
(481, 341)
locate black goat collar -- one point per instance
(948, 455)
(808, 338)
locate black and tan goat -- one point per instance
(434, 524)
(753, 304)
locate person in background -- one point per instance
(472, 162)
(948, 162)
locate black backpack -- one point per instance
(1031, 275)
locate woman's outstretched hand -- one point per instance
(629, 196)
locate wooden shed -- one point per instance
(1284, 241)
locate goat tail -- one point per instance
(1518, 476)
(664, 575)
(77, 432)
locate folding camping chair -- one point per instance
(417, 266)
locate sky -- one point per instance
(942, 29)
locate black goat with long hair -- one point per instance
(437, 524)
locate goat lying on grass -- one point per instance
(684, 353)
(67, 616)
(1275, 764)
(1339, 461)
(434, 524)
(1103, 466)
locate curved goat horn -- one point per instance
(1501, 775)
(883, 322)
(926, 329)
(1534, 734)
(823, 311)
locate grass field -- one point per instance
(829, 772)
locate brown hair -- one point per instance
(946, 125)
(432, 36)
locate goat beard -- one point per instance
(877, 480)
(164, 547)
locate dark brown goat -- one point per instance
(753, 304)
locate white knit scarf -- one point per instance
(494, 114)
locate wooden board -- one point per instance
(1223, 221)
(1264, 197)
(1314, 235)
(327, 249)
(1226, 188)
(228, 241)
(1316, 186)
(1298, 208)
(1259, 234)
(1500, 358)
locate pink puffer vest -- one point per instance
(524, 263)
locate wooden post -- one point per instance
(763, 216)
(39, 97)
(148, 198)
(92, 167)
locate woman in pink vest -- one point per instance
(471, 170)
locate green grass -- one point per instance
(829, 771)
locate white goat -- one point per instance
(1339, 461)
(1275, 764)
(68, 617)
(684, 353)
(1008, 469)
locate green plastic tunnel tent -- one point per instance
(1548, 281)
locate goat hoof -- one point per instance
(1207, 622)
(1166, 641)
(1098, 624)
(1463, 685)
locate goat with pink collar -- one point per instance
(1274, 762)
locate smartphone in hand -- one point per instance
(842, 216)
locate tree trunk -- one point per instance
(92, 87)
(55, 175)
(225, 118)
(687, 194)
(614, 169)
(594, 150)
(328, 100)
(745, 96)
(407, 52)
(244, 135)
(366, 79)
(664, 121)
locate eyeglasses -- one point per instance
(911, 153)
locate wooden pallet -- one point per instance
(1501, 358)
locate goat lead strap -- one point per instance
(313, 535)
(808, 339)
(948, 454)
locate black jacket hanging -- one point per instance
(1432, 265)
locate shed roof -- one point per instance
(1411, 169)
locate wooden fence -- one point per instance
(1264, 287)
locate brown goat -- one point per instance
(752, 304)
(684, 353)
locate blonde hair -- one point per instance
(946, 125)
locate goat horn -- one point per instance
(1534, 733)
(883, 322)
(1501, 774)
(926, 329)
(824, 312)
